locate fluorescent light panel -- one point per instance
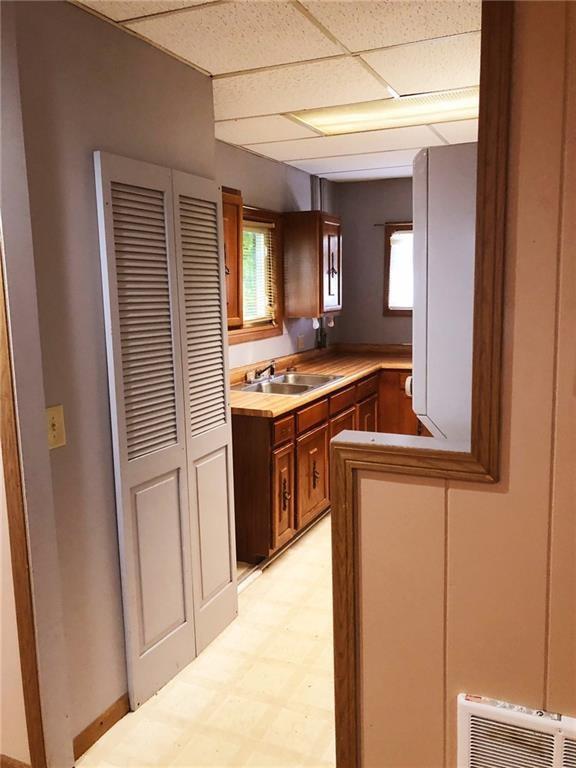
(401, 112)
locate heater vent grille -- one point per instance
(498, 745)
(569, 760)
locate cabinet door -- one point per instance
(367, 414)
(395, 407)
(346, 420)
(283, 500)
(312, 462)
(232, 215)
(331, 266)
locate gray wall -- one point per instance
(86, 85)
(266, 184)
(362, 205)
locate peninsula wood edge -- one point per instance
(481, 463)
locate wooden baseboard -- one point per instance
(11, 762)
(98, 727)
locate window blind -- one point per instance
(259, 273)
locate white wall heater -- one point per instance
(496, 734)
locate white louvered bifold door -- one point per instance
(140, 291)
(198, 215)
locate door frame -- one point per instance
(18, 541)
(424, 456)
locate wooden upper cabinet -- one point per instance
(232, 216)
(312, 264)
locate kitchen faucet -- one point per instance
(270, 367)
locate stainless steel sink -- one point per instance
(289, 383)
(276, 388)
(310, 379)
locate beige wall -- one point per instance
(473, 588)
(13, 734)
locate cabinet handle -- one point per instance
(285, 495)
(315, 475)
(227, 270)
(332, 272)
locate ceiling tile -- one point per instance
(119, 10)
(230, 37)
(345, 163)
(380, 23)
(302, 86)
(400, 172)
(349, 144)
(251, 130)
(431, 65)
(458, 132)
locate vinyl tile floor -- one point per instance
(260, 695)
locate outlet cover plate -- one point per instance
(55, 426)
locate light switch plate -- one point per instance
(55, 426)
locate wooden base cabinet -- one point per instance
(395, 414)
(312, 478)
(367, 414)
(283, 523)
(281, 466)
(345, 420)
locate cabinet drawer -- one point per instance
(283, 430)
(311, 415)
(367, 387)
(342, 400)
(345, 420)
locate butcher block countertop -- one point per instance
(352, 366)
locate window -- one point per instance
(398, 269)
(260, 285)
(258, 273)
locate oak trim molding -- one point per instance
(18, 541)
(11, 762)
(245, 333)
(98, 727)
(424, 456)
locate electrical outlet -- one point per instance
(300, 343)
(55, 426)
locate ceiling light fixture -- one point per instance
(440, 107)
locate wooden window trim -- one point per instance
(265, 330)
(427, 456)
(234, 197)
(389, 230)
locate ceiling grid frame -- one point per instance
(271, 128)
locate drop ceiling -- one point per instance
(271, 58)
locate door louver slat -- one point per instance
(203, 313)
(500, 745)
(144, 310)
